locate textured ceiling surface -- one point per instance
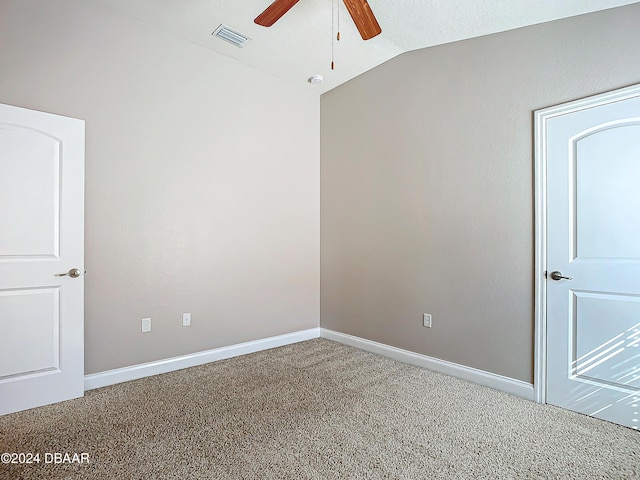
(300, 44)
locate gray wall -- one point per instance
(427, 186)
(202, 180)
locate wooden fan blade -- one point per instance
(274, 11)
(364, 18)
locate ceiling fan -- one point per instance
(359, 10)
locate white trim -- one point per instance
(498, 382)
(540, 256)
(134, 372)
(540, 158)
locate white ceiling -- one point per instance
(299, 44)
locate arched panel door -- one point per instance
(41, 258)
(592, 152)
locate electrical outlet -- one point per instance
(186, 319)
(146, 325)
(426, 320)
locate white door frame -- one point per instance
(540, 205)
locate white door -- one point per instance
(592, 153)
(41, 237)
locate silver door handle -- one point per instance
(558, 276)
(73, 273)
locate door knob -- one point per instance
(558, 276)
(73, 273)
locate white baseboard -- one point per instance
(498, 382)
(134, 372)
(111, 377)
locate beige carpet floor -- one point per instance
(314, 410)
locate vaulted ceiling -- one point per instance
(300, 44)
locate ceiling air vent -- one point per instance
(229, 35)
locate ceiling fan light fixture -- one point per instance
(230, 35)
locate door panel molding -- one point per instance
(21, 140)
